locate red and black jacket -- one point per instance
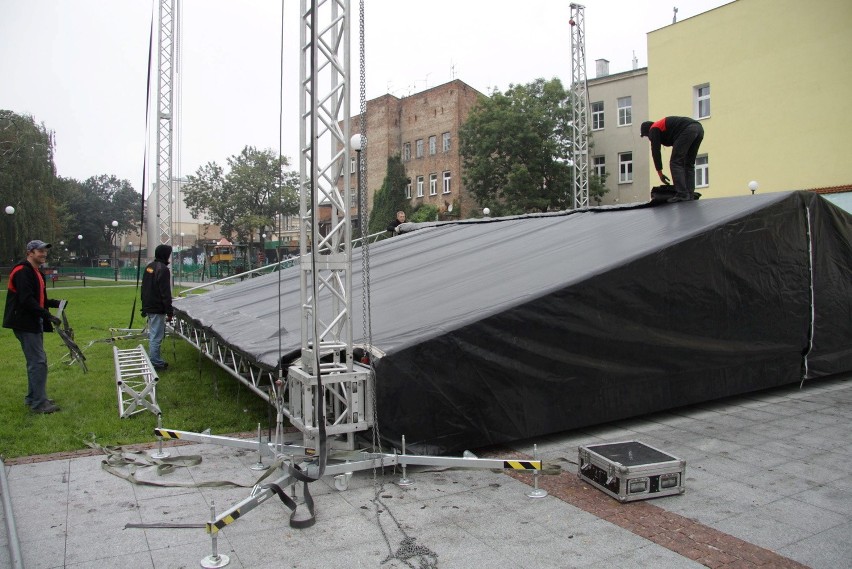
(26, 300)
(664, 132)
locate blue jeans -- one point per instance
(156, 331)
(33, 345)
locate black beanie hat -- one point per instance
(645, 128)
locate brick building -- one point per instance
(423, 130)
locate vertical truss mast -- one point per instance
(160, 231)
(326, 379)
(579, 107)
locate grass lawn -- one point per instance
(193, 393)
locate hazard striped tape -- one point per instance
(166, 434)
(522, 464)
(213, 527)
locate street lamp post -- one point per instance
(753, 186)
(180, 258)
(114, 248)
(356, 143)
(80, 249)
(130, 252)
(10, 211)
(61, 249)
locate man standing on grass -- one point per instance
(28, 316)
(157, 302)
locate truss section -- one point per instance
(261, 380)
(326, 387)
(580, 108)
(165, 127)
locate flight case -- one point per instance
(631, 470)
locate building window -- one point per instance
(447, 180)
(433, 145)
(599, 166)
(446, 141)
(433, 184)
(419, 186)
(702, 172)
(408, 190)
(625, 168)
(352, 164)
(702, 101)
(625, 111)
(598, 115)
(406, 152)
(353, 193)
(419, 148)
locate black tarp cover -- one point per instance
(501, 329)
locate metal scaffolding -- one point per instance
(579, 108)
(326, 379)
(162, 227)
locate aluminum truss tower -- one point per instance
(160, 230)
(580, 108)
(327, 388)
(325, 391)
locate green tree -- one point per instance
(390, 198)
(255, 190)
(516, 149)
(27, 177)
(426, 212)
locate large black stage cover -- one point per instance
(501, 329)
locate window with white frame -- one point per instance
(353, 194)
(625, 111)
(406, 152)
(625, 168)
(446, 141)
(419, 148)
(447, 182)
(408, 190)
(433, 184)
(419, 186)
(599, 166)
(433, 145)
(702, 101)
(702, 171)
(598, 115)
(352, 165)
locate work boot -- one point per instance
(679, 198)
(46, 408)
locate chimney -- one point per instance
(601, 68)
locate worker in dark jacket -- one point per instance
(157, 302)
(684, 135)
(28, 316)
(393, 226)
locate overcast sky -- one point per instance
(80, 66)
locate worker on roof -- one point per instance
(684, 135)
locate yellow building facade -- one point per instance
(774, 79)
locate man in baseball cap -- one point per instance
(37, 244)
(28, 316)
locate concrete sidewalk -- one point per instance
(768, 484)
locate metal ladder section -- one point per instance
(136, 382)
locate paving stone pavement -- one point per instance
(768, 484)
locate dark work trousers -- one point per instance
(682, 163)
(33, 345)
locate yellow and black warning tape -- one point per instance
(166, 434)
(522, 464)
(213, 527)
